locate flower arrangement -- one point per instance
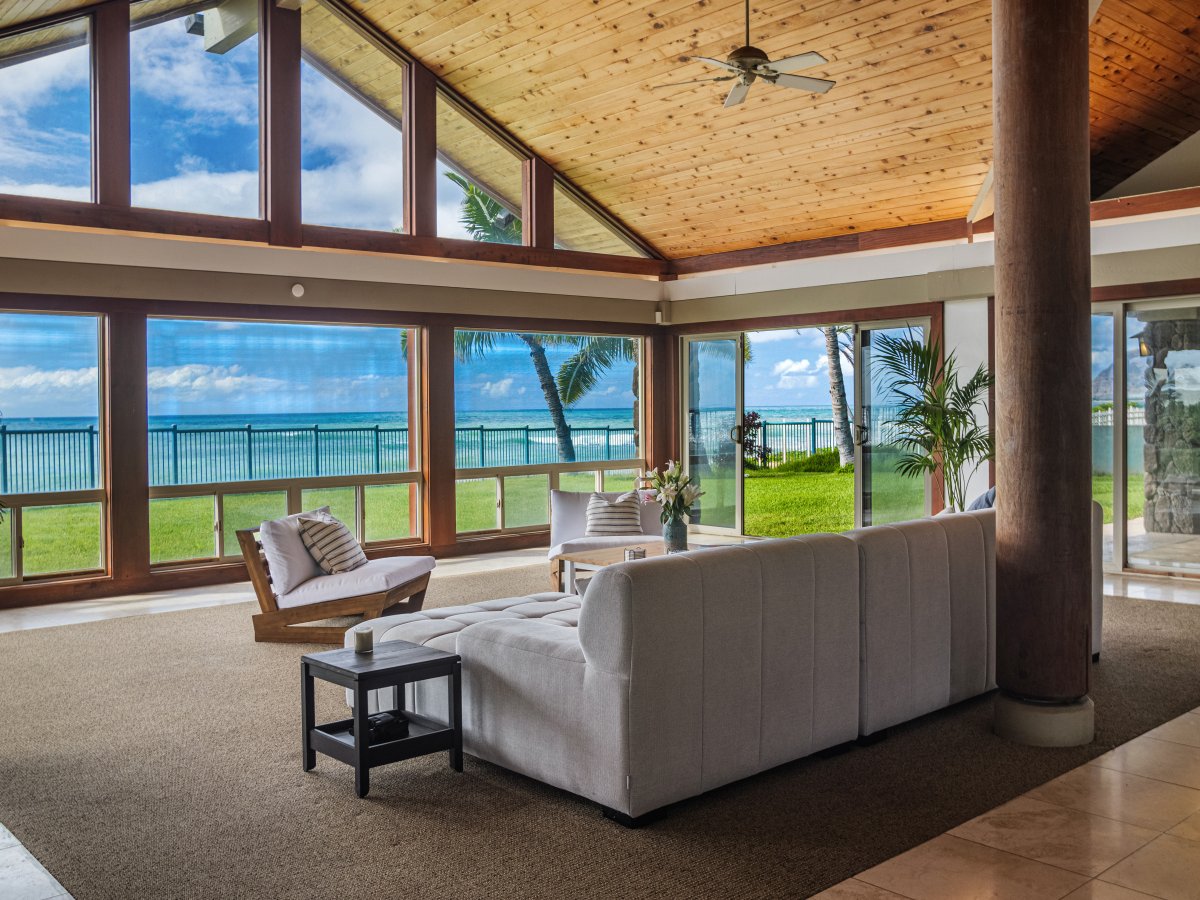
(674, 491)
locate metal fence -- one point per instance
(781, 439)
(51, 460)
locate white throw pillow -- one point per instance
(331, 543)
(288, 559)
(609, 517)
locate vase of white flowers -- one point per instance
(676, 494)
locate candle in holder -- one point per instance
(364, 639)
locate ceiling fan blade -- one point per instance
(737, 94)
(719, 63)
(794, 63)
(694, 81)
(804, 83)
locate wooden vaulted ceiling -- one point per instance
(904, 137)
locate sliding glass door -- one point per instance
(883, 494)
(792, 431)
(712, 405)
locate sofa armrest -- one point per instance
(532, 704)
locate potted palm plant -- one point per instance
(937, 420)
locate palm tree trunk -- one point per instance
(837, 397)
(566, 448)
(637, 400)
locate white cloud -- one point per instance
(798, 374)
(216, 193)
(498, 389)
(172, 67)
(30, 379)
(793, 367)
(200, 382)
(31, 156)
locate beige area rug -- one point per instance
(159, 756)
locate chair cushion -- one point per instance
(580, 545)
(331, 543)
(288, 560)
(377, 576)
(620, 516)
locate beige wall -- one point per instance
(53, 262)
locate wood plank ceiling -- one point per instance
(904, 137)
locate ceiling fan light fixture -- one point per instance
(748, 63)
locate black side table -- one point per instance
(392, 664)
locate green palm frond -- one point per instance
(580, 372)
(472, 345)
(484, 217)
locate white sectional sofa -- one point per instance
(675, 675)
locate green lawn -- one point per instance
(777, 504)
(1102, 492)
(783, 504)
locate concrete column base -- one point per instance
(1044, 724)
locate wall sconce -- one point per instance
(297, 291)
(1144, 348)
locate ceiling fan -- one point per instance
(749, 64)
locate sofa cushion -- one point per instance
(288, 560)
(377, 576)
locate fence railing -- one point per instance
(65, 459)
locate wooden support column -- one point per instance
(420, 151)
(280, 28)
(1043, 389)
(126, 451)
(660, 381)
(537, 215)
(110, 104)
(437, 410)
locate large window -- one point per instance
(51, 466)
(479, 181)
(45, 113)
(352, 103)
(194, 95)
(252, 420)
(541, 411)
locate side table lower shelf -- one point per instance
(424, 736)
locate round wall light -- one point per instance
(297, 290)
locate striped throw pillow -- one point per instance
(331, 543)
(620, 516)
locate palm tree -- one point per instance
(834, 350)
(472, 345)
(486, 219)
(595, 355)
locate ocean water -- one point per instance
(56, 454)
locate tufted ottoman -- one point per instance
(439, 628)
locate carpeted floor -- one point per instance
(158, 757)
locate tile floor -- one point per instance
(1123, 827)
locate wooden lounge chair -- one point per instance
(285, 624)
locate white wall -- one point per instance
(965, 329)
